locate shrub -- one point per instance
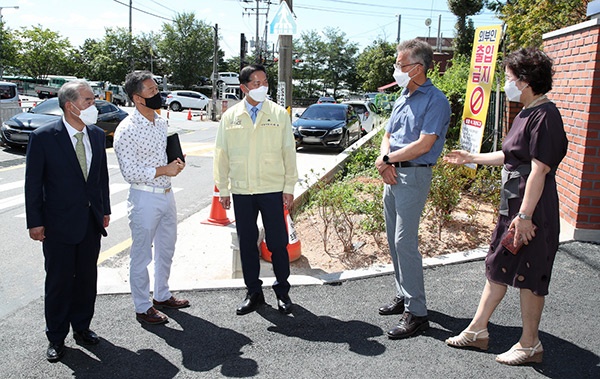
(444, 195)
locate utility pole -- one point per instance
(215, 76)
(130, 36)
(439, 35)
(243, 50)
(258, 44)
(285, 65)
(399, 22)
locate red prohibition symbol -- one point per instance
(476, 102)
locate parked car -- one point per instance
(180, 100)
(15, 131)
(10, 104)
(370, 96)
(229, 78)
(163, 98)
(329, 125)
(203, 81)
(368, 113)
(326, 99)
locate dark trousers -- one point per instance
(270, 206)
(70, 288)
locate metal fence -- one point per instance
(487, 145)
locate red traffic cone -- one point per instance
(294, 248)
(189, 114)
(218, 215)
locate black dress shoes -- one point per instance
(86, 337)
(284, 304)
(251, 303)
(409, 325)
(396, 307)
(55, 351)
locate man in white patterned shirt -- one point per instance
(140, 144)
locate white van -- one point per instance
(10, 104)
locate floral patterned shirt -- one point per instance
(141, 146)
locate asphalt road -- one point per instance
(334, 332)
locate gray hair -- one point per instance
(134, 82)
(418, 50)
(70, 91)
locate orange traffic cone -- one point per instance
(189, 114)
(218, 215)
(294, 248)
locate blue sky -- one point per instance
(362, 20)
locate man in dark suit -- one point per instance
(68, 208)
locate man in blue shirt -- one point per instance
(414, 138)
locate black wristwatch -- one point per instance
(386, 160)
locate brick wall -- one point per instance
(576, 92)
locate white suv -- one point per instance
(229, 78)
(184, 99)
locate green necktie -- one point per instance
(80, 152)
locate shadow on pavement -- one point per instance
(106, 360)
(562, 359)
(204, 345)
(306, 325)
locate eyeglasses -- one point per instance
(401, 66)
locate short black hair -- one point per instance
(134, 82)
(533, 67)
(249, 70)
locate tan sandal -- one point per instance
(518, 356)
(468, 338)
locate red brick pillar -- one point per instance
(576, 91)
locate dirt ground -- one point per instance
(470, 227)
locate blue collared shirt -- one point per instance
(425, 111)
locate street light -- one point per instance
(12, 6)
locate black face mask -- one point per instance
(154, 102)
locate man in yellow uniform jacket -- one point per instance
(255, 161)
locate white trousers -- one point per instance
(153, 223)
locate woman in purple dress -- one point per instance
(531, 153)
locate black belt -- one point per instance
(410, 164)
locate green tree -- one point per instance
(42, 52)
(527, 20)
(187, 48)
(309, 49)
(8, 49)
(147, 55)
(465, 31)
(453, 83)
(375, 65)
(340, 61)
(89, 66)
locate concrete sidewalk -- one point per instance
(206, 256)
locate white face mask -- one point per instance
(513, 93)
(88, 116)
(258, 94)
(401, 77)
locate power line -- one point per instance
(143, 11)
(164, 6)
